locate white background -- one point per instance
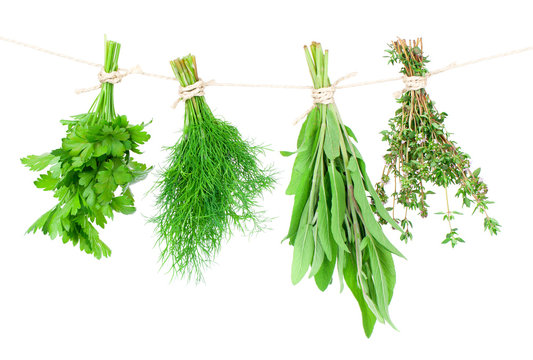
(472, 302)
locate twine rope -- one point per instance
(270, 86)
(113, 77)
(324, 95)
(190, 91)
(412, 83)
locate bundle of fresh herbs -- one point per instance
(211, 184)
(421, 151)
(333, 221)
(93, 162)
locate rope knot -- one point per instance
(190, 91)
(323, 95)
(113, 77)
(414, 82)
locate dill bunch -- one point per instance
(210, 185)
(91, 173)
(421, 151)
(333, 223)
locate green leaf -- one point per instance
(303, 253)
(350, 276)
(364, 242)
(46, 181)
(369, 220)
(350, 133)
(122, 175)
(287, 153)
(318, 257)
(72, 206)
(138, 134)
(117, 148)
(338, 206)
(86, 177)
(300, 203)
(332, 139)
(96, 246)
(324, 234)
(138, 171)
(41, 222)
(341, 259)
(53, 227)
(123, 204)
(305, 153)
(39, 162)
(105, 184)
(76, 144)
(89, 196)
(384, 277)
(360, 167)
(324, 275)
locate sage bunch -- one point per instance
(333, 223)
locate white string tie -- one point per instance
(412, 83)
(113, 77)
(190, 91)
(324, 95)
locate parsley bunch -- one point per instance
(91, 173)
(333, 222)
(211, 183)
(421, 151)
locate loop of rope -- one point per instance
(324, 95)
(412, 83)
(415, 82)
(190, 91)
(113, 77)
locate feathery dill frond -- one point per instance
(210, 185)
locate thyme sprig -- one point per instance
(92, 172)
(333, 222)
(211, 184)
(421, 151)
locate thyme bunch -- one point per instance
(421, 151)
(333, 223)
(211, 183)
(92, 172)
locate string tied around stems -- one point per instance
(190, 91)
(324, 95)
(113, 77)
(413, 83)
